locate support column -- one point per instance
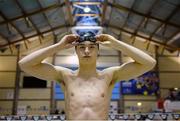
(157, 68)
(121, 101)
(17, 80)
(53, 83)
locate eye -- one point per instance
(81, 47)
(92, 47)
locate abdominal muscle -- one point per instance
(87, 113)
(83, 107)
(87, 99)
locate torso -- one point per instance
(87, 98)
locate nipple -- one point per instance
(102, 95)
(72, 94)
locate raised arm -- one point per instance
(141, 64)
(33, 64)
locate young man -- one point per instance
(87, 90)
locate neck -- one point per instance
(87, 70)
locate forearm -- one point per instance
(38, 56)
(138, 55)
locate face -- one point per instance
(87, 51)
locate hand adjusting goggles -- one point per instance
(88, 36)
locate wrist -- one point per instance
(59, 46)
(113, 40)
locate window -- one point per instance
(59, 94)
(33, 82)
(116, 92)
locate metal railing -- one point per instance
(112, 117)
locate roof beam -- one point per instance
(138, 35)
(112, 26)
(123, 8)
(88, 3)
(145, 20)
(45, 16)
(47, 31)
(174, 37)
(48, 21)
(104, 12)
(175, 34)
(163, 25)
(166, 20)
(24, 12)
(170, 16)
(7, 40)
(16, 28)
(129, 13)
(68, 5)
(33, 13)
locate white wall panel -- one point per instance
(169, 63)
(169, 80)
(34, 93)
(8, 63)
(7, 79)
(35, 107)
(6, 93)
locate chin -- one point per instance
(86, 60)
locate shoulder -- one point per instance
(63, 71)
(114, 72)
(110, 70)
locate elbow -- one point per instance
(151, 64)
(21, 64)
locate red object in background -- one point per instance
(160, 103)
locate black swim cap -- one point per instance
(87, 36)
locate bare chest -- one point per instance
(88, 93)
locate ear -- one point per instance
(75, 48)
(98, 46)
(98, 54)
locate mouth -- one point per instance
(86, 56)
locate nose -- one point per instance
(87, 51)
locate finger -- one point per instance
(101, 38)
(72, 38)
(97, 37)
(97, 41)
(107, 42)
(75, 35)
(75, 43)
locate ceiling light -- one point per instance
(87, 9)
(175, 88)
(139, 104)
